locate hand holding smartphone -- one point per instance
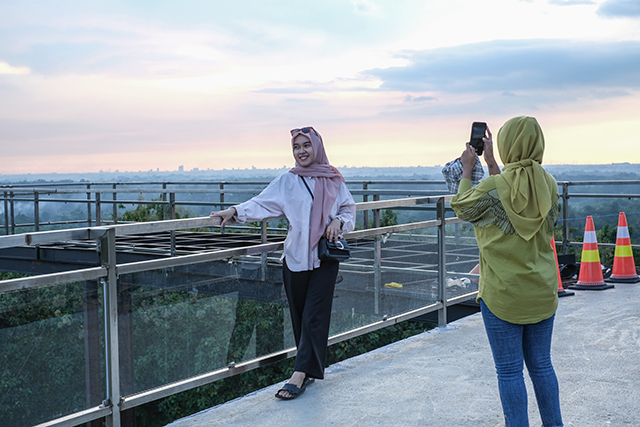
(478, 131)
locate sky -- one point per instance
(145, 85)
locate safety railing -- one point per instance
(98, 342)
(95, 196)
(625, 190)
(101, 201)
(95, 343)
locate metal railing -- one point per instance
(566, 195)
(95, 196)
(373, 268)
(112, 274)
(169, 193)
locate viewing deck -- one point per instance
(446, 377)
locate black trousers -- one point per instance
(310, 295)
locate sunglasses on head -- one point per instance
(303, 130)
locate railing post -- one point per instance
(13, 213)
(565, 217)
(221, 196)
(98, 210)
(377, 260)
(36, 210)
(263, 255)
(165, 211)
(115, 205)
(172, 205)
(88, 205)
(365, 198)
(107, 247)
(442, 264)
(6, 213)
(92, 347)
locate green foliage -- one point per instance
(387, 218)
(149, 212)
(606, 234)
(174, 334)
(43, 350)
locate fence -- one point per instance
(97, 342)
(96, 197)
(168, 325)
(169, 192)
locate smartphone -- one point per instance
(478, 131)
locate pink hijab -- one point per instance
(327, 184)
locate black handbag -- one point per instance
(331, 251)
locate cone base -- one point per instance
(565, 294)
(580, 287)
(623, 280)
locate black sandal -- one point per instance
(294, 390)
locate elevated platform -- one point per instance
(77, 254)
(446, 377)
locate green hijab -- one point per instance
(522, 186)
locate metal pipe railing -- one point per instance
(109, 271)
(27, 193)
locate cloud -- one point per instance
(620, 9)
(366, 7)
(410, 98)
(10, 69)
(570, 2)
(605, 93)
(518, 65)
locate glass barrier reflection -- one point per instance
(52, 352)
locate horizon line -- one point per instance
(196, 170)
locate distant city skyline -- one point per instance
(598, 172)
(132, 85)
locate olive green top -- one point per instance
(518, 277)
(514, 214)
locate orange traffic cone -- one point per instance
(590, 277)
(624, 269)
(561, 291)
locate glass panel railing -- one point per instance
(52, 352)
(461, 258)
(179, 322)
(385, 278)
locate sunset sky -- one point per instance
(139, 85)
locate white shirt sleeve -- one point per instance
(268, 204)
(345, 208)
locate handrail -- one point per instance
(104, 238)
(94, 233)
(109, 271)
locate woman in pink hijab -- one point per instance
(316, 202)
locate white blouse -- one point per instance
(287, 195)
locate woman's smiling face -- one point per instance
(303, 151)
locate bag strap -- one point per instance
(306, 185)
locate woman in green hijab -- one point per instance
(513, 213)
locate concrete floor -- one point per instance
(446, 377)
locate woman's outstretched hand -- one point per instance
(226, 215)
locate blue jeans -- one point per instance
(511, 344)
